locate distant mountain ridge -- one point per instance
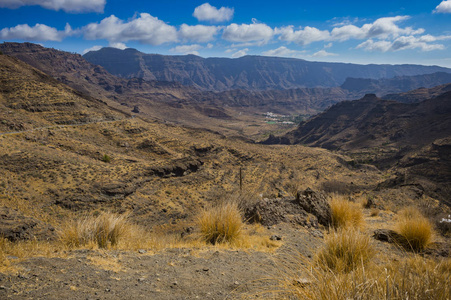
(398, 84)
(247, 72)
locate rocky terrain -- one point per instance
(248, 72)
(68, 157)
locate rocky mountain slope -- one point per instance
(395, 85)
(371, 122)
(31, 99)
(248, 72)
(418, 95)
(390, 134)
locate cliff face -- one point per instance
(248, 72)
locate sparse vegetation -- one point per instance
(344, 251)
(415, 228)
(221, 224)
(106, 158)
(345, 213)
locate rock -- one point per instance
(275, 238)
(14, 226)
(142, 251)
(388, 235)
(136, 109)
(315, 203)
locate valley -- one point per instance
(156, 157)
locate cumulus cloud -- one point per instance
(323, 53)
(283, 52)
(444, 7)
(187, 49)
(240, 53)
(381, 28)
(38, 32)
(144, 28)
(303, 36)
(206, 12)
(121, 46)
(403, 43)
(71, 6)
(93, 48)
(247, 32)
(198, 33)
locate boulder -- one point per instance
(315, 203)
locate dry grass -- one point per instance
(415, 228)
(105, 230)
(410, 278)
(345, 213)
(345, 250)
(221, 224)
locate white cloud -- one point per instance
(444, 7)
(240, 53)
(206, 12)
(145, 29)
(209, 46)
(38, 32)
(247, 32)
(121, 46)
(327, 46)
(381, 28)
(187, 49)
(403, 43)
(72, 6)
(93, 48)
(283, 51)
(303, 36)
(323, 53)
(198, 33)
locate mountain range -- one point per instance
(247, 72)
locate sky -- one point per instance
(364, 32)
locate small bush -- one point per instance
(106, 158)
(221, 224)
(345, 213)
(345, 250)
(415, 228)
(105, 230)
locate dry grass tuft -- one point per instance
(105, 230)
(345, 250)
(345, 213)
(221, 224)
(415, 228)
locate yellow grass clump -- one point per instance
(345, 213)
(221, 224)
(415, 228)
(104, 230)
(345, 250)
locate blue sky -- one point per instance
(383, 32)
